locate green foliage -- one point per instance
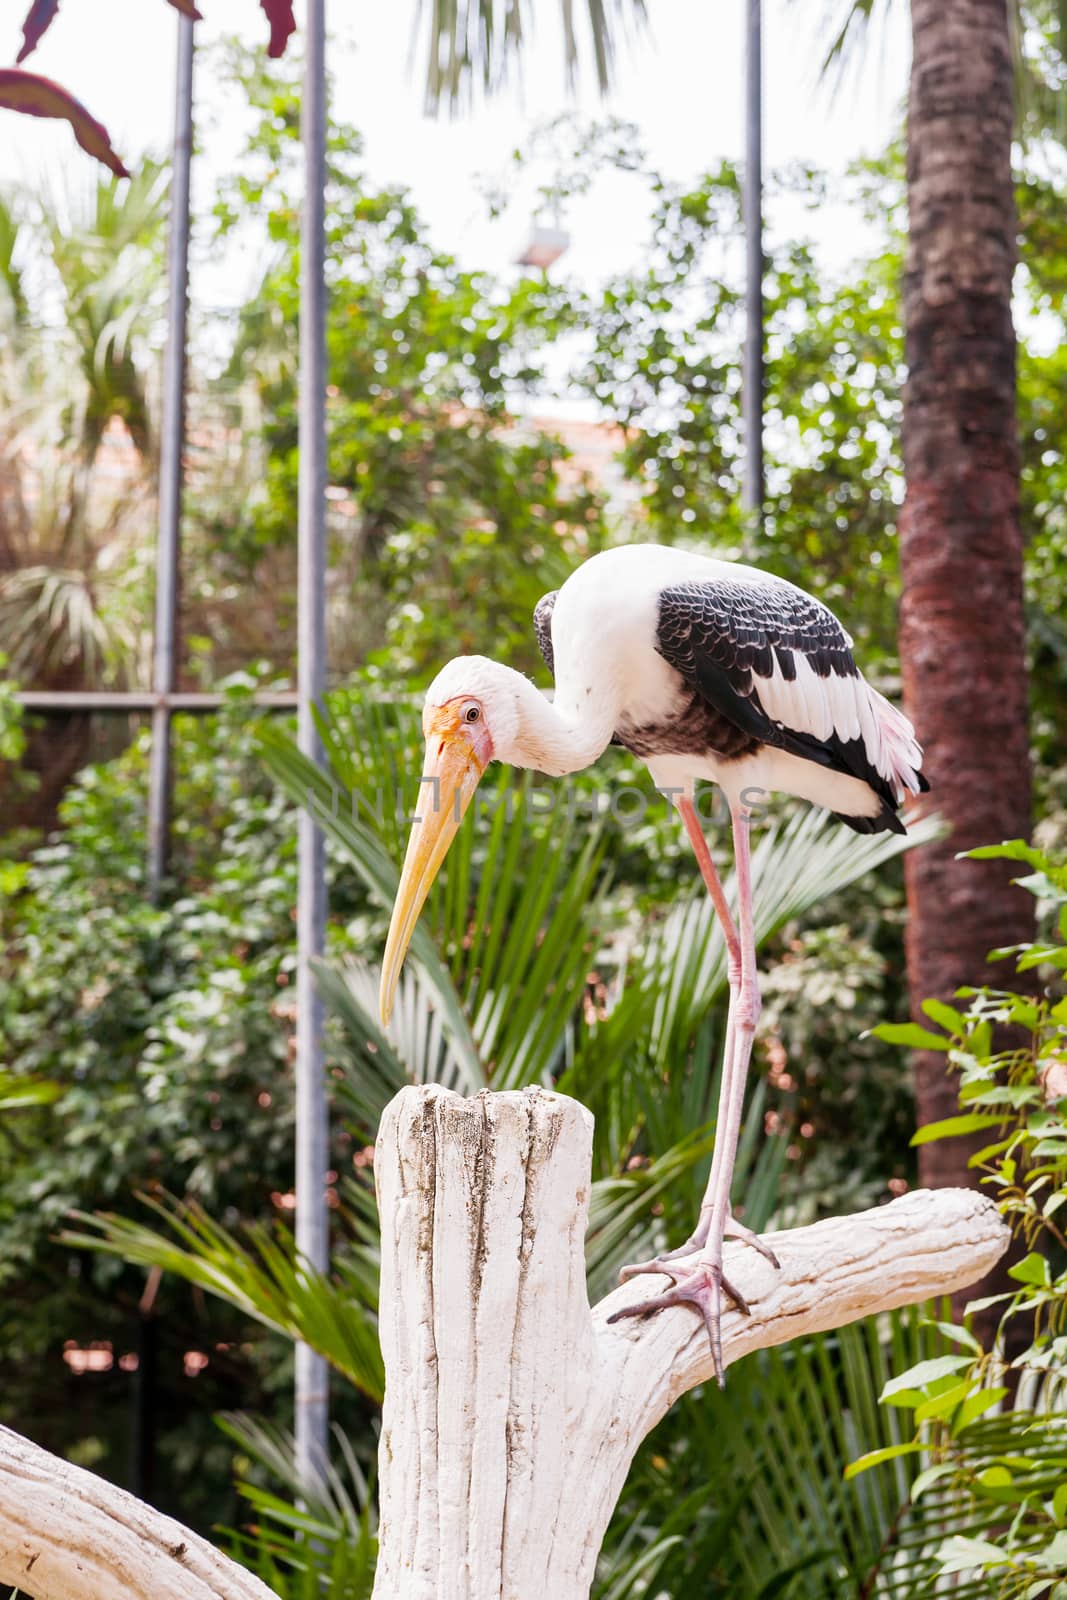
(666, 365)
(991, 1430)
(81, 310)
(449, 520)
(753, 1475)
(263, 1278)
(521, 893)
(317, 1546)
(164, 1026)
(12, 735)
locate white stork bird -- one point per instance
(705, 669)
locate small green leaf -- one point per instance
(943, 1401)
(995, 1478)
(948, 1017)
(911, 1035)
(950, 1127)
(1059, 1503)
(1011, 850)
(1032, 1269)
(931, 1476)
(975, 1406)
(924, 1373)
(958, 1335)
(960, 1554)
(1054, 1555)
(904, 1399)
(874, 1458)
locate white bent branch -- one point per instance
(66, 1534)
(512, 1411)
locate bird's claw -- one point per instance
(749, 1236)
(693, 1246)
(698, 1283)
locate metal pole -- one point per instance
(164, 651)
(752, 488)
(172, 437)
(312, 1230)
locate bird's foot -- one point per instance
(749, 1236)
(696, 1280)
(696, 1242)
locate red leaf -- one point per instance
(40, 97)
(187, 9)
(282, 24)
(40, 14)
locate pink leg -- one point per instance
(697, 1267)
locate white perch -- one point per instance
(512, 1412)
(65, 1534)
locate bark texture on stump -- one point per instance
(962, 634)
(512, 1412)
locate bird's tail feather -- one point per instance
(903, 753)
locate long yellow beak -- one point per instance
(451, 775)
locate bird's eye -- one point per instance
(471, 712)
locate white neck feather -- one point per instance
(527, 729)
(556, 738)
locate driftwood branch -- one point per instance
(65, 1534)
(512, 1412)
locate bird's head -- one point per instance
(470, 716)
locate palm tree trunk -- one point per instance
(962, 634)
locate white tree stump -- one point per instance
(65, 1534)
(512, 1412)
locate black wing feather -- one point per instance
(719, 635)
(542, 621)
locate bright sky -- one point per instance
(682, 84)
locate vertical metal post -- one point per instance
(312, 1230)
(752, 488)
(164, 647)
(172, 438)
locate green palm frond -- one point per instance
(1038, 37)
(335, 809)
(481, 41)
(107, 249)
(514, 915)
(760, 1467)
(306, 1544)
(263, 1277)
(417, 1049)
(49, 623)
(651, 1061)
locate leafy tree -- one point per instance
(163, 1034)
(500, 992)
(990, 1430)
(666, 365)
(81, 335)
(449, 521)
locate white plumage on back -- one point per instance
(645, 628)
